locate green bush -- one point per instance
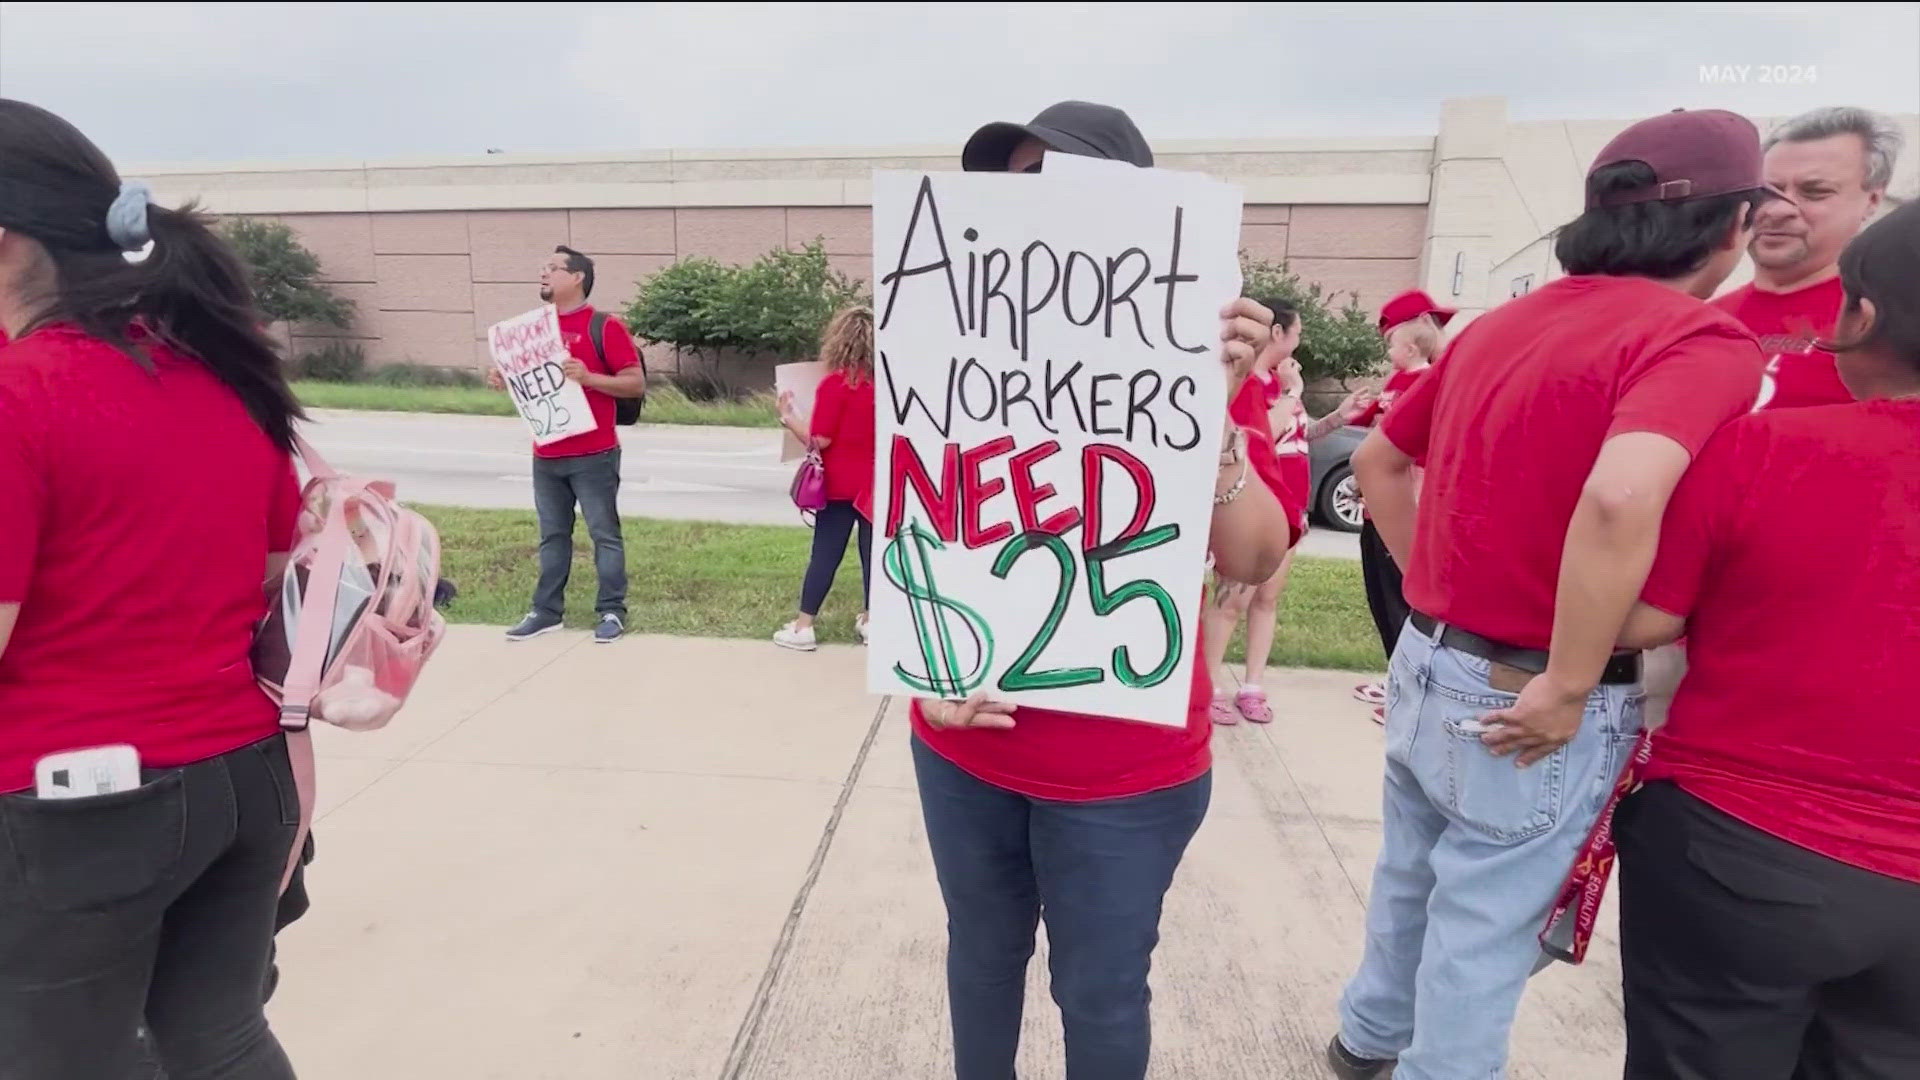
(284, 274)
(1336, 342)
(336, 361)
(773, 308)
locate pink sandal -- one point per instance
(1252, 703)
(1223, 712)
(1372, 693)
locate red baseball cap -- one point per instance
(1694, 154)
(1409, 306)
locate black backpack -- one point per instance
(626, 410)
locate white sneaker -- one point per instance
(860, 629)
(792, 636)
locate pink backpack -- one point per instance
(351, 620)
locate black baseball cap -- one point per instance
(1070, 127)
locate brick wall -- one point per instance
(427, 284)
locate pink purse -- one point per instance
(351, 619)
(810, 484)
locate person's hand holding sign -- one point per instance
(1245, 327)
(575, 370)
(495, 379)
(974, 712)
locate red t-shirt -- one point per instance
(139, 512)
(1398, 383)
(1072, 757)
(1787, 325)
(1509, 422)
(1798, 712)
(575, 330)
(1296, 455)
(843, 412)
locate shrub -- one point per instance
(1336, 342)
(773, 308)
(284, 274)
(336, 361)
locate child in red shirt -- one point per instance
(841, 430)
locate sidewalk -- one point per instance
(672, 858)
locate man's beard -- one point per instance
(546, 294)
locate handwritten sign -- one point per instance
(529, 351)
(1050, 409)
(802, 380)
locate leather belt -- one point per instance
(1622, 670)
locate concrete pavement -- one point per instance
(672, 471)
(574, 862)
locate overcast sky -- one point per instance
(224, 82)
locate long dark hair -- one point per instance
(1882, 264)
(190, 291)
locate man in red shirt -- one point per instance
(1552, 431)
(1834, 164)
(584, 469)
(1770, 868)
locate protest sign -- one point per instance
(529, 351)
(802, 380)
(1050, 406)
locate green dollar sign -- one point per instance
(909, 568)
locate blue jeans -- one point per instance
(1474, 851)
(1096, 871)
(592, 481)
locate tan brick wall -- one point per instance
(427, 284)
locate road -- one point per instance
(672, 471)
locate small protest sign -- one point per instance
(530, 353)
(802, 380)
(1050, 407)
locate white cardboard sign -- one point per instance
(529, 351)
(1050, 406)
(802, 380)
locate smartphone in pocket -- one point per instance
(80, 774)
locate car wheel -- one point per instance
(1339, 502)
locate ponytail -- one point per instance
(189, 291)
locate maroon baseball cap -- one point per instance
(1694, 154)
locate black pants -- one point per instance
(592, 482)
(1384, 597)
(831, 529)
(1749, 958)
(156, 904)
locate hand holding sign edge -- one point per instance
(974, 712)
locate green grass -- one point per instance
(741, 581)
(665, 405)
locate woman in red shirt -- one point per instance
(1269, 400)
(841, 430)
(147, 491)
(1770, 866)
(1080, 820)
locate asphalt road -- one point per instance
(672, 471)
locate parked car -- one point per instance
(1336, 498)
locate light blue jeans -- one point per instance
(1474, 851)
